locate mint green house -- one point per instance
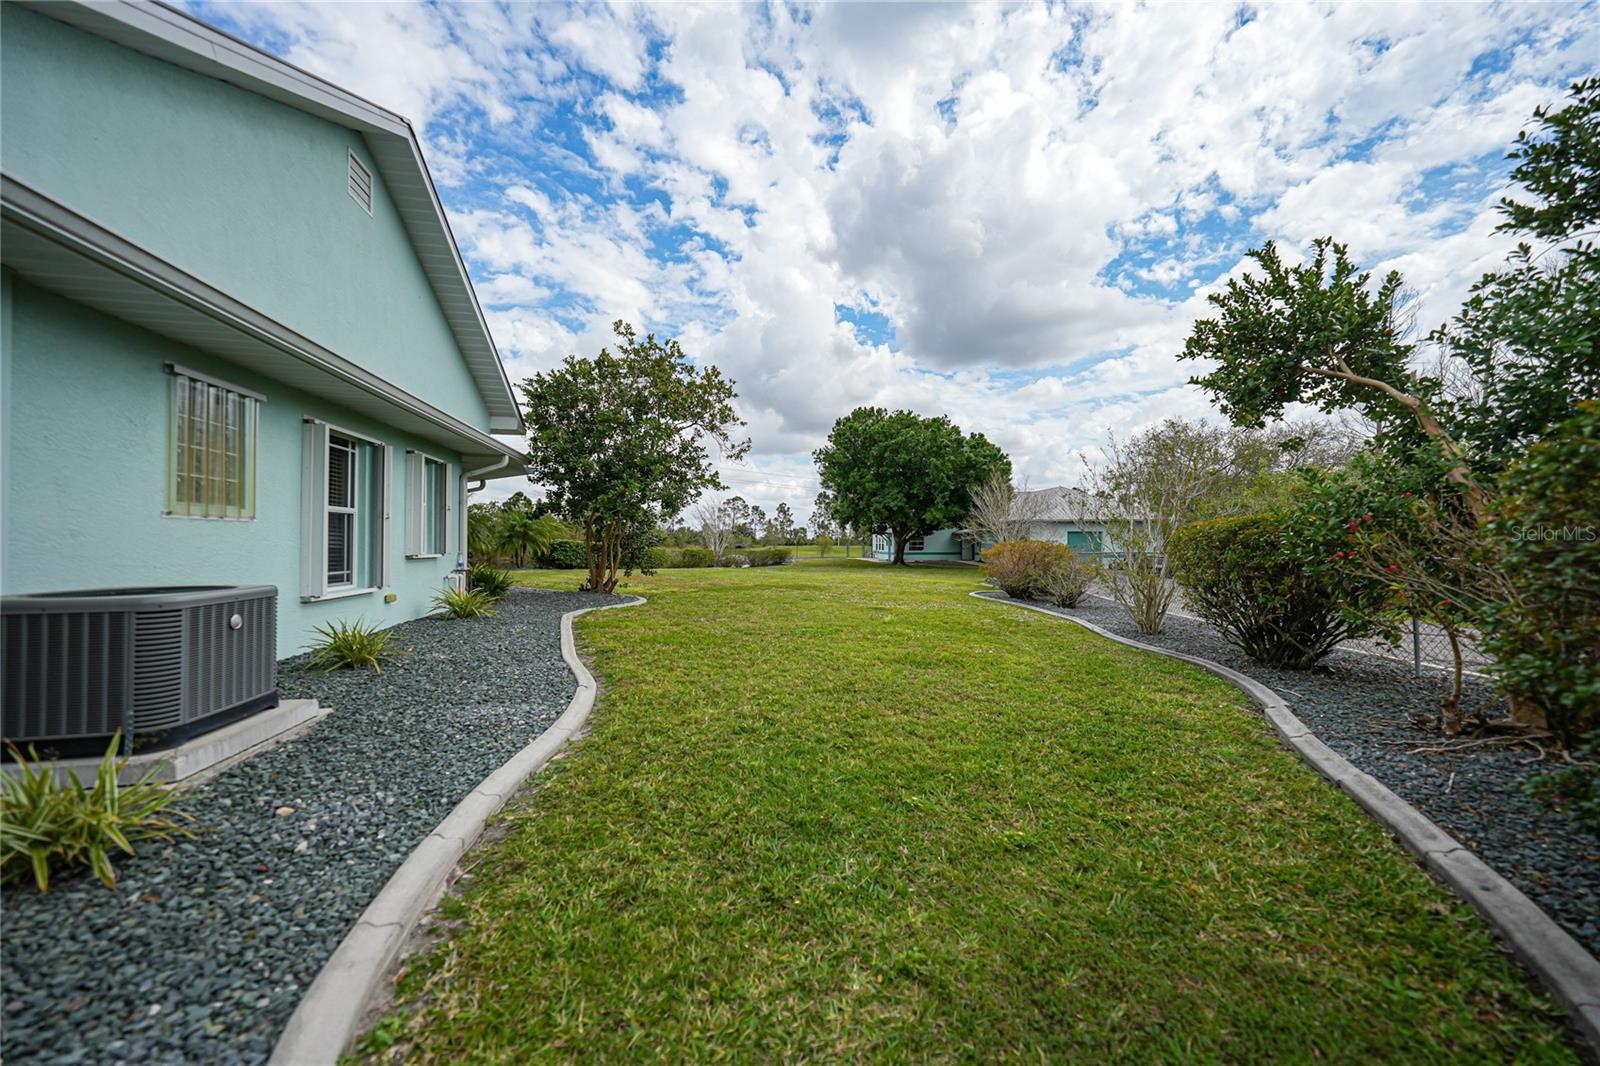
(1058, 513)
(239, 343)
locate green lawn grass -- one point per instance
(811, 551)
(843, 810)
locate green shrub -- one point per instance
(656, 559)
(766, 556)
(351, 646)
(1546, 638)
(566, 555)
(1025, 569)
(1574, 789)
(1069, 582)
(495, 584)
(696, 557)
(1236, 575)
(464, 603)
(45, 825)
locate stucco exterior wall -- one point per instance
(245, 193)
(939, 545)
(944, 544)
(86, 409)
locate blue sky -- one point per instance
(1010, 215)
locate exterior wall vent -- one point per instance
(360, 183)
(79, 666)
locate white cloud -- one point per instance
(1004, 184)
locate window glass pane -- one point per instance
(178, 492)
(216, 457)
(341, 548)
(369, 512)
(211, 451)
(341, 468)
(434, 492)
(230, 496)
(247, 465)
(197, 445)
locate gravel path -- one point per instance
(203, 948)
(1361, 707)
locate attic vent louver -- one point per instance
(360, 184)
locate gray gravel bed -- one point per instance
(201, 952)
(1362, 707)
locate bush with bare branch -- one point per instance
(1141, 493)
(716, 521)
(1002, 511)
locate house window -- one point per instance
(914, 544)
(342, 511)
(211, 452)
(430, 506)
(346, 519)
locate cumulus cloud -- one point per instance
(1034, 199)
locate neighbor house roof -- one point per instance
(182, 40)
(1058, 503)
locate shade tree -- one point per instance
(622, 439)
(903, 474)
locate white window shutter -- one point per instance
(449, 503)
(461, 522)
(380, 572)
(415, 502)
(314, 511)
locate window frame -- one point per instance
(352, 511)
(249, 429)
(418, 521)
(315, 508)
(916, 544)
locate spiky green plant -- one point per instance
(496, 584)
(464, 603)
(45, 824)
(351, 646)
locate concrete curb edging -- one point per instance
(331, 1009)
(1568, 971)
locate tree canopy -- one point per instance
(1529, 334)
(903, 474)
(1316, 333)
(1527, 341)
(620, 439)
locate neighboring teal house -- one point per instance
(1058, 513)
(239, 342)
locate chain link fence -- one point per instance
(1423, 646)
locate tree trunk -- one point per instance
(598, 549)
(899, 547)
(605, 554)
(1476, 499)
(1528, 712)
(1450, 711)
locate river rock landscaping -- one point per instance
(204, 947)
(1363, 707)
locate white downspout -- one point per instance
(467, 477)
